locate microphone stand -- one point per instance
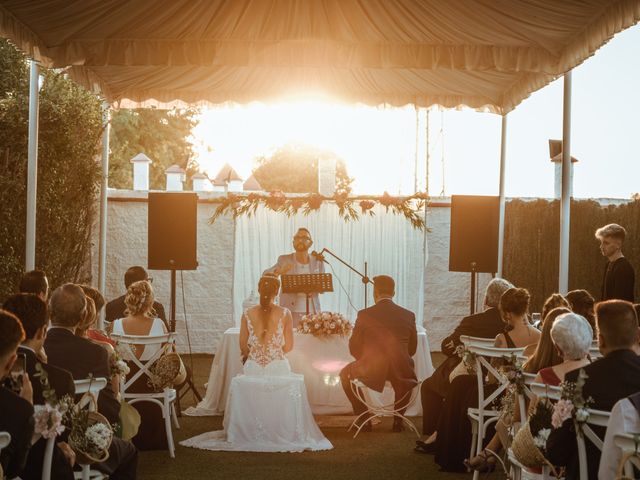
(363, 276)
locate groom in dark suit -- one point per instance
(383, 341)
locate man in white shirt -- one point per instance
(298, 263)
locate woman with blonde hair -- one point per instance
(141, 320)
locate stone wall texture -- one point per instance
(208, 290)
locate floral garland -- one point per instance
(325, 324)
(349, 208)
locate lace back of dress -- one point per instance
(268, 350)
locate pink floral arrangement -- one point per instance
(572, 403)
(325, 324)
(48, 420)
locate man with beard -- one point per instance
(298, 263)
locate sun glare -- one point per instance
(377, 144)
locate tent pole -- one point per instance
(102, 247)
(503, 162)
(32, 167)
(565, 205)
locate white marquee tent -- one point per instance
(484, 54)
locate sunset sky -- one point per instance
(378, 144)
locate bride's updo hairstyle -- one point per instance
(515, 301)
(139, 299)
(268, 287)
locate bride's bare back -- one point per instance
(266, 336)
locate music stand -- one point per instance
(307, 283)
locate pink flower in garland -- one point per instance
(367, 205)
(276, 200)
(315, 201)
(562, 411)
(387, 200)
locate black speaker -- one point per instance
(173, 236)
(474, 233)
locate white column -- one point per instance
(503, 165)
(565, 201)
(32, 168)
(104, 185)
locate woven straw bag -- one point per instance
(526, 451)
(85, 458)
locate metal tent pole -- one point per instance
(104, 185)
(32, 168)
(503, 164)
(565, 199)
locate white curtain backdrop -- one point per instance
(386, 241)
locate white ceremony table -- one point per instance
(319, 360)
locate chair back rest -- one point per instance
(92, 386)
(629, 444)
(595, 353)
(484, 354)
(542, 390)
(597, 418)
(5, 439)
(468, 340)
(144, 366)
(48, 458)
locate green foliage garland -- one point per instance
(349, 208)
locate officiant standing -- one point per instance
(298, 263)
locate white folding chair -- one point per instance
(517, 470)
(598, 418)
(5, 440)
(165, 399)
(629, 444)
(483, 415)
(469, 340)
(92, 386)
(375, 410)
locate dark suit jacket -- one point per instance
(16, 417)
(619, 281)
(116, 307)
(611, 378)
(486, 324)
(383, 341)
(62, 382)
(82, 357)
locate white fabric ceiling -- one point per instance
(485, 54)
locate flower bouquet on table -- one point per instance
(325, 324)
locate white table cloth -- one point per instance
(319, 360)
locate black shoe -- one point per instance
(428, 448)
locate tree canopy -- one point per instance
(293, 168)
(162, 135)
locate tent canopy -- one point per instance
(484, 54)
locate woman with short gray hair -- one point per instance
(572, 335)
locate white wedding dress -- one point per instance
(267, 408)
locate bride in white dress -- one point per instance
(267, 408)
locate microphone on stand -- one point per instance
(318, 256)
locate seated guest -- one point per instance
(35, 281)
(546, 355)
(32, 313)
(454, 428)
(140, 320)
(583, 304)
(383, 341)
(625, 418)
(16, 408)
(91, 332)
(609, 379)
(82, 358)
(486, 324)
(115, 309)
(554, 301)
